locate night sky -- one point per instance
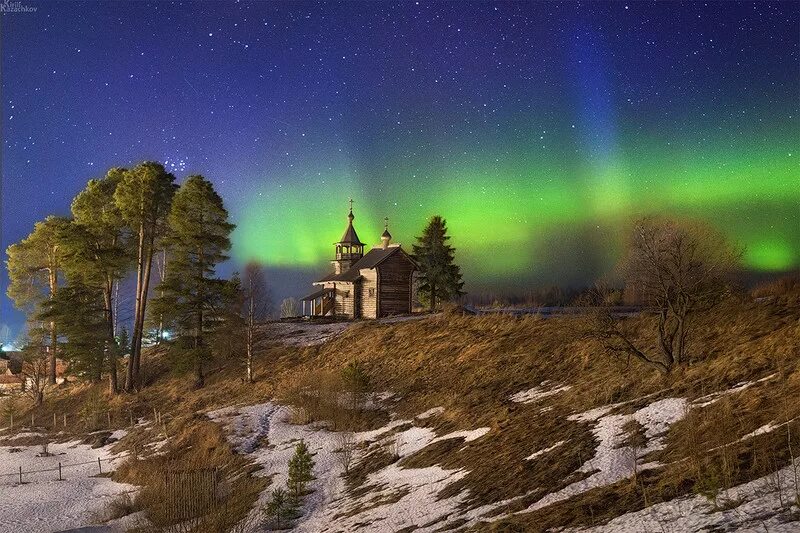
(536, 129)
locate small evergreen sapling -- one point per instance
(300, 471)
(280, 509)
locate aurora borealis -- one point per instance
(538, 130)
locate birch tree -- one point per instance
(257, 307)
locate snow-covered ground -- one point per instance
(760, 511)
(309, 333)
(400, 496)
(42, 504)
(708, 399)
(312, 333)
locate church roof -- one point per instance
(316, 294)
(371, 259)
(350, 236)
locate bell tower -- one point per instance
(349, 249)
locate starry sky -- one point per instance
(537, 129)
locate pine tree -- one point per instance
(78, 312)
(440, 278)
(124, 341)
(143, 197)
(102, 253)
(199, 236)
(280, 508)
(35, 266)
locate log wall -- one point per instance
(369, 294)
(395, 276)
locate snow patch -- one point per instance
(543, 390)
(760, 510)
(534, 455)
(612, 461)
(400, 496)
(434, 411)
(708, 399)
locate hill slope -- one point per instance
(491, 423)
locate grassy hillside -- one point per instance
(740, 389)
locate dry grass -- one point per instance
(323, 396)
(470, 366)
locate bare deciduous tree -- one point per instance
(257, 307)
(676, 270)
(35, 365)
(346, 450)
(289, 308)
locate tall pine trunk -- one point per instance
(111, 343)
(51, 374)
(142, 310)
(130, 375)
(433, 298)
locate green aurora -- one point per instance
(506, 214)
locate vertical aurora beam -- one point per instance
(597, 122)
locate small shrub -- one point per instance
(346, 451)
(122, 505)
(10, 411)
(92, 409)
(356, 383)
(45, 444)
(394, 448)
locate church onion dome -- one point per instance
(386, 237)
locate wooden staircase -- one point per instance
(324, 307)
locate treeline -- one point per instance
(65, 276)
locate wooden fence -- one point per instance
(190, 493)
(57, 473)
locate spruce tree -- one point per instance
(35, 267)
(143, 197)
(440, 278)
(229, 339)
(199, 236)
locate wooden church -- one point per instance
(372, 285)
